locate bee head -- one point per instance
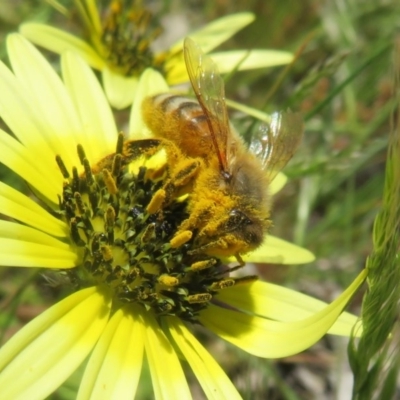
(250, 230)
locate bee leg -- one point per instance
(239, 259)
(210, 247)
(133, 149)
(180, 179)
(187, 172)
(182, 176)
(196, 220)
(127, 152)
(188, 227)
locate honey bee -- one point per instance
(227, 184)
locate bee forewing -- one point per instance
(276, 142)
(209, 88)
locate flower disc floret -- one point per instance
(126, 246)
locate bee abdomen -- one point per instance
(181, 120)
(180, 107)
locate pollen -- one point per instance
(109, 182)
(156, 202)
(168, 280)
(181, 238)
(130, 239)
(198, 266)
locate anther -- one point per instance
(156, 201)
(81, 153)
(116, 165)
(180, 239)
(200, 265)
(79, 203)
(106, 252)
(110, 217)
(168, 280)
(120, 143)
(223, 284)
(110, 223)
(88, 172)
(62, 167)
(199, 298)
(148, 233)
(75, 233)
(109, 181)
(141, 174)
(94, 200)
(164, 305)
(75, 180)
(132, 275)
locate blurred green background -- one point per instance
(342, 82)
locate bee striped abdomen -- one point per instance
(180, 120)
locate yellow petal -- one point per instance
(53, 106)
(227, 61)
(89, 11)
(278, 183)
(22, 246)
(177, 72)
(16, 205)
(271, 339)
(120, 90)
(12, 230)
(151, 83)
(114, 368)
(212, 378)
(217, 32)
(47, 350)
(24, 163)
(167, 376)
(281, 304)
(20, 253)
(59, 41)
(13, 104)
(29, 130)
(99, 133)
(279, 251)
(262, 116)
(208, 38)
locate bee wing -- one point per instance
(276, 142)
(208, 86)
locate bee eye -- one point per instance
(236, 220)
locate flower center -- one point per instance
(126, 39)
(126, 246)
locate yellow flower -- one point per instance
(120, 47)
(90, 225)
